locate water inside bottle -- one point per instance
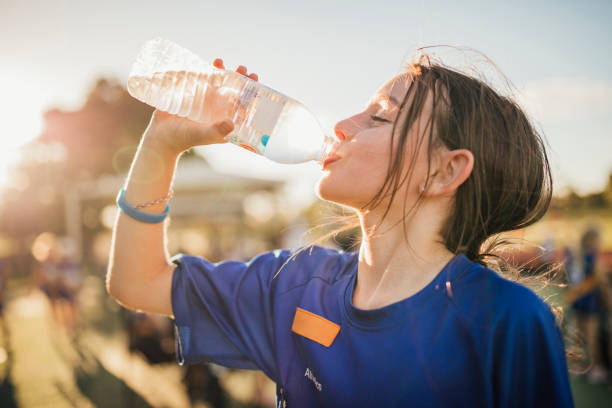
(265, 121)
(183, 93)
(297, 138)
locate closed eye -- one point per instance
(379, 119)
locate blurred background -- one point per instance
(70, 130)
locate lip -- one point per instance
(330, 159)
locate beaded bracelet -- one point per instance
(132, 212)
(159, 200)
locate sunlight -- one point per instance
(21, 109)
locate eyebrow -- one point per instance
(390, 98)
(394, 100)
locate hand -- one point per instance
(174, 134)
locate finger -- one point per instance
(201, 134)
(221, 129)
(241, 70)
(218, 63)
(254, 77)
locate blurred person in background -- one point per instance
(59, 276)
(72, 281)
(48, 279)
(203, 387)
(587, 296)
(3, 278)
(435, 165)
(152, 336)
(3, 326)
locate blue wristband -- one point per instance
(139, 215)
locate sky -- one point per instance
(330, 55)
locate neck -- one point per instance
(394, 266)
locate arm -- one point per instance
(138, 263)
(139, 274)
(139, 271)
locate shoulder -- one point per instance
(281, 267)
(315, 262)
(489, 301)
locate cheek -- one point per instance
(356, 178)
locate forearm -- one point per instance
(138, 250)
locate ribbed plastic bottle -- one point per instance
(173, 79)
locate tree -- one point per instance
(99, 138)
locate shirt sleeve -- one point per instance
(530, 367)
(224, 312)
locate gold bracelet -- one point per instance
(158, 201)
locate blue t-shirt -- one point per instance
(468, 339)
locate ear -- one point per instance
(454, 167)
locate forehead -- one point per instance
(395, 88)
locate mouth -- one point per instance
(330, 159)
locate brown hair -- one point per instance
(510, 186)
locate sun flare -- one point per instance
(21, 110)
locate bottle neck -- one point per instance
(326, 149)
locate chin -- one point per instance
(322, 190)
(327, 190)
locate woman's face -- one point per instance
(364, 150)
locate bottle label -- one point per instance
(248, 95)
(245, 101)
(257, 112)
(266, 114)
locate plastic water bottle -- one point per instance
(173, 79)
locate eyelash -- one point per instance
(379, 119)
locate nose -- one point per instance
(347, 128)
(339, 133)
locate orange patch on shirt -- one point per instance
(314, 327)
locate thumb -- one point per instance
(224, 127)
(215, 133)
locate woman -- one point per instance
(434, 165)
